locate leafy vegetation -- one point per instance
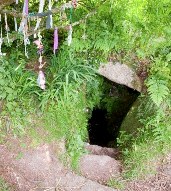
(3, 185)
(132, 31)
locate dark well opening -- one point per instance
(106, 119)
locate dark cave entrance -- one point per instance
(105, 121)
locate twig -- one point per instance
(32, 31)
(4, 3)
(39, 15)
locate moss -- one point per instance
(131, 123)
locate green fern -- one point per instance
(158, 90)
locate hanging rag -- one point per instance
(24, 27)
(49, 20)
(41, 6)
(15, 24)
(39, 46)
(41, 80)
(26, 42)
(1, 42)
(6, 27)
(55, 45)
(23, 23)
(26, 7)
(69, 40)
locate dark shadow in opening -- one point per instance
(104, 125)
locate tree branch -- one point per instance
(32, 31)
(4, 3)
(40, 15)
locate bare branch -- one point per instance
(4, 3)
(32, 31)
(43, 14)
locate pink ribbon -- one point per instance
(26, 7)
(55, 45)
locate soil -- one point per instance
(39, 169)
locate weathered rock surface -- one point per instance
(131, 123)
(39, 170)
(99, 168)
(97, 150)
(121, 74)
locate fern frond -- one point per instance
(158, 90)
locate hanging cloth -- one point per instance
(69, 40)
(40, 50)
(6, 27)
(23, 26)
(1, 40)
(49, 20)
(41, 80)
(23, 23)
(41, 6)
(55, 45)
(26, 7)
(15, 24)
(26, 42)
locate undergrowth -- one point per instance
(4, 186)
(143, 151)
(139, 28)
(61, 108)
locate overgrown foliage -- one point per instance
(3, 185)
(129, 29)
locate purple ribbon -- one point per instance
(55, 45)
(26, 7)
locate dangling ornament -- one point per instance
(41, 80)
(55, 45)
(49, 20)
(69, 40)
